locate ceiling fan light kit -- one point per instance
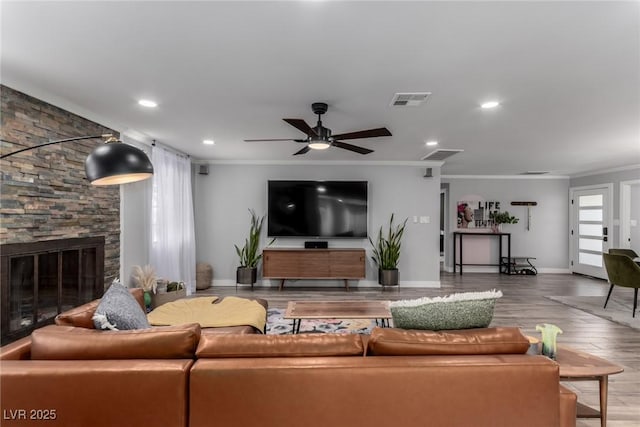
(321, 138)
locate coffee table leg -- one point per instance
(604, 390)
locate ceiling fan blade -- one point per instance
(260, 140)
(304, 150)
(301, 125)
(370, 133)
(350, 147)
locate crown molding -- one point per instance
(603, 171)
(504, 176)
(421, 164)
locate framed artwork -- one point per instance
(476, 213)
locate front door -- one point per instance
(590, 229)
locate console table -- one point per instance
(458, 238)
(295, 263)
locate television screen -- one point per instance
(317, 209)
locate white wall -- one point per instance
(135, 214)
(547, 240)
(635, 217)
(222, 199)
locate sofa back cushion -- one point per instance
(258, 345)
(71, 343)
(401, 342)
(82, 316)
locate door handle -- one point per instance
(605, 232)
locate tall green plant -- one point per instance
(249, 256)
(386, 250)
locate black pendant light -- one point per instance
(111, 163)
(117, 163)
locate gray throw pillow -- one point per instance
(119, 310)
(456, 311)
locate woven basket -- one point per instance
(204, 275)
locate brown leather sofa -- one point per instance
(472, 378)
(183, 377)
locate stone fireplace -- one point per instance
(44, 196)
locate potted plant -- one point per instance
(500, 218)
(246, 273)
(386, 253)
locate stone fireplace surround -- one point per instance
(44, 192)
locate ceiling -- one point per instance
(567, 75)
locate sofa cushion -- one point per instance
(302, 345)
(82, 316)
(118, 310)
(71, 343)
(456, 311)
(401, 342)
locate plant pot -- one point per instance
(246, 275)
(389, 277)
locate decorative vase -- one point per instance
(147, 301)
(549, 336)
(496, 228)
(389, 277)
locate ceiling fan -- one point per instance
(320, 137)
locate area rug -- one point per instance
(616, 311)
(277, 325)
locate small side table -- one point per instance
(576, 365)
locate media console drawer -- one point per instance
(340, 263)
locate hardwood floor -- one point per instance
(523, 305)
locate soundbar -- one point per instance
(316, 244)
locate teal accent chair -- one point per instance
(628, 252)
(622, 271)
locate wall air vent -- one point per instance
(442, 153)
(535, 173)
(413, 99)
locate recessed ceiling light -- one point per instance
(208, 142)
(147, 103)
(431, 143)
(490, 104)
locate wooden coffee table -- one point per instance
(576, 365)
(299, 310)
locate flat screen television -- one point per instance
(317, 209)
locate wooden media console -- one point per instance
(293, 263)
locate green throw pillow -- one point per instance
(456, 311)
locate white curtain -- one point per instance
(173, 244)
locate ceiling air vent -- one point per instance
(534, 173)
(413, 99)
(442, 153)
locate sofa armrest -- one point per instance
(568, 407)
(97, 393)
(17, 350)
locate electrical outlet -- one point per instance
(425, 219)
(415, 219)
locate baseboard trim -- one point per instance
(269, 283)
(547, 270)
(494, 270)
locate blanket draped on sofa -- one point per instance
(231, 311)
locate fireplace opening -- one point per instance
(42, 279)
